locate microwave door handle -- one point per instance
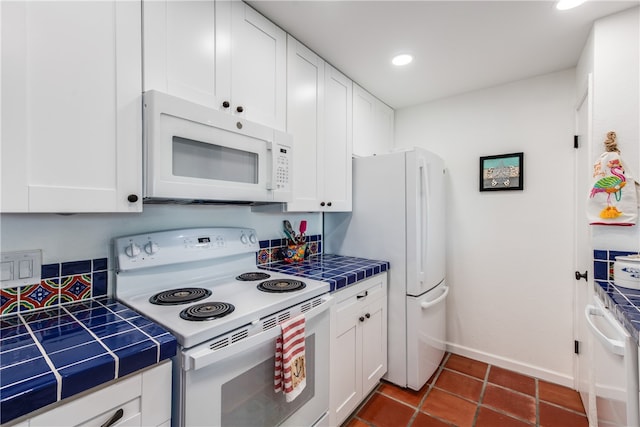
(270, 162)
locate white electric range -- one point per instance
(204, 286)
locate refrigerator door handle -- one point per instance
(423, 197)
(427, 304)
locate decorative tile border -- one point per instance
(60, 283)
(273, 250)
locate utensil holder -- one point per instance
(295, 252)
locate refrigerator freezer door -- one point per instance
(425, 221)
(426, 330)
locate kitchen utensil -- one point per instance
(288, 230)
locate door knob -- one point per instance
(582, 276)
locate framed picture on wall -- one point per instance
(501, 172)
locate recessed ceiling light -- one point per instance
(568, 4)
(400, 60)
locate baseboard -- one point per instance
(513, 365)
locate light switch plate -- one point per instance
(20, 268)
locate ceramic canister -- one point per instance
(626, 271)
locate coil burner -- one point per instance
(253, 276)
(207, 311)
(179, 296)
(281, 285)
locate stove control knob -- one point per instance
(132, 250)
(253, 239)
(244, 239)
(151, 248)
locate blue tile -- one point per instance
(600, 270)
(53, 340)
(99, 264)
(85, 375)
(76, 354)
(23, 371)
(99, 284)
(75, 267)
(136, 357)
(153, 330)
(22, 398)
(15, 342)
(12, 331)
(19, 355)
(341, 282)
(264, 244)
(49, 271)
(168, 346)
(108, 329)
(123, 340)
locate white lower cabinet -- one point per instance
(358, 344)
(142, 399)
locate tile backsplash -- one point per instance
(603, 263)
(272, 250)
(60, 283)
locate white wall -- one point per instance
(615, 64)
(87, 236)
(509, 253)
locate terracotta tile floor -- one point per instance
(467, 393)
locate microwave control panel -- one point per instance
(282, 168)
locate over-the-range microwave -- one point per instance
(193, 153)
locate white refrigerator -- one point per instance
(399, 216)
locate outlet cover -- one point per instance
(20, 268)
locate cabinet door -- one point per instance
(374, 344)
(258, 66)
(337, 145)
(71, 106)
(305, 91)
(373, 123)
(346, 366)
(182, 50)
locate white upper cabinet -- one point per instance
(71, 106)
(221, 54)
(319, 115)
(373, 123)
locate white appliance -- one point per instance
(195, 153)
(615, 371)
(203, 286)
(398, 216)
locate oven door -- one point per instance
(234, 385)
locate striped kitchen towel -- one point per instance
(290, 369)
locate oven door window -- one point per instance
(249, 396)
(195, 159)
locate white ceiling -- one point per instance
(458, 46)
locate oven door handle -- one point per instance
(201, 357)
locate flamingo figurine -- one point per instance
(611, 185)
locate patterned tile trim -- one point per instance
(61, 283)
(88, 343)
(339, 271)
(272, 251)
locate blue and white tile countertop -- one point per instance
(624, 303)
(339, 271)
(52, 354)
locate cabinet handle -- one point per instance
(114, 418)
(225, 104)
(366, 293)
(329, 204)
(132, 198)
(239, 109)
(322, 203)
(362, 318)
(368, 315)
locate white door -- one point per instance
(425, 221)
(583, 253)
